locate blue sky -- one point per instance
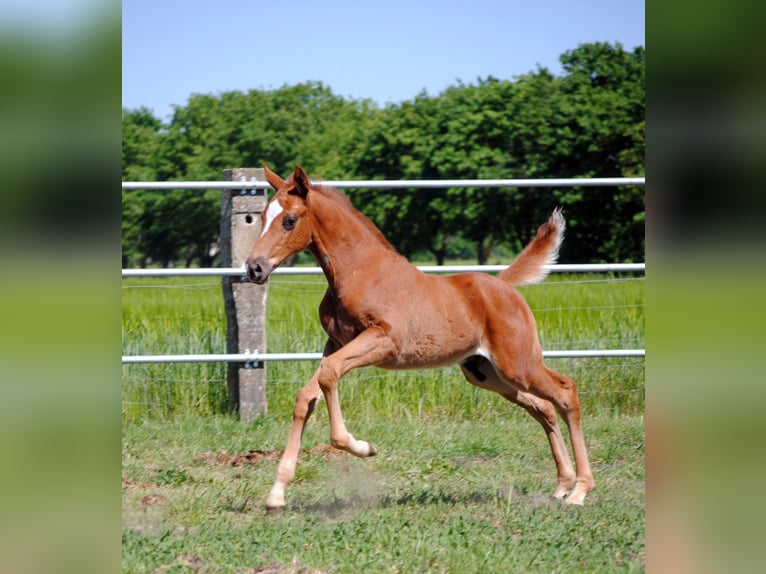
(388, 51)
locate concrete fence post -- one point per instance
(245, 302)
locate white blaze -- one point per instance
(274, 209)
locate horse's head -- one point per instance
(286, 227)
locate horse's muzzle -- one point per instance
(258, 270)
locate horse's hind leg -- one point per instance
(544, 413)
(562, 392)
(547, 384)
(480, 372)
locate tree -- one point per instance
(400, 144)
(588, 122)
(474, 143)
(141, 156)
(603, 88)
(304, 124)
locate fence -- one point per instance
(243, 200)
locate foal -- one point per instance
(380, 310)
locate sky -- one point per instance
(387, 51)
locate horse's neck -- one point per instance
(343, 243)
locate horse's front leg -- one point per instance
(371, 347)
(305, 401)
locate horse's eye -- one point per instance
(289, 221)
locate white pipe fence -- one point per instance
(393, 184)
(251, 359)
(240, 271)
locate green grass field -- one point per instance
(187, 316)
(462, 479)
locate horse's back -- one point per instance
(486, 290)
(446, 319)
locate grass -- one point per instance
(443, 495)
(462, 479)
(186, 316)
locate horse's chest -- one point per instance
(339, 324)
(340, 331)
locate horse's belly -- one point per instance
(430, 352)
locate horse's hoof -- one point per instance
(275, 501)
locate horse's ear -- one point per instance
(301, 181)
(274, 180)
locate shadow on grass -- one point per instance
(338, 506)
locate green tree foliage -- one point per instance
(479, 141)
(304, 124)
(587, 122)
(400, 144)
(603, 91)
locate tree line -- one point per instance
(586, 122)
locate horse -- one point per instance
(381, 310)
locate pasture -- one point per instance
(462, 479)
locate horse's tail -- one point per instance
(528, 267)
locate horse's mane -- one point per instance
(345, 204)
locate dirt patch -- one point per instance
(532, 500)
(153, 499)
(324, 450)
(195, 564)
(294, 568)
(258, 456)
(136, 484)
(535, 500)
(250, 457)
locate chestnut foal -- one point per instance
(380, 310)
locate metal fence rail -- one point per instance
(239, 271)
(394, 184)
(250, 359)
